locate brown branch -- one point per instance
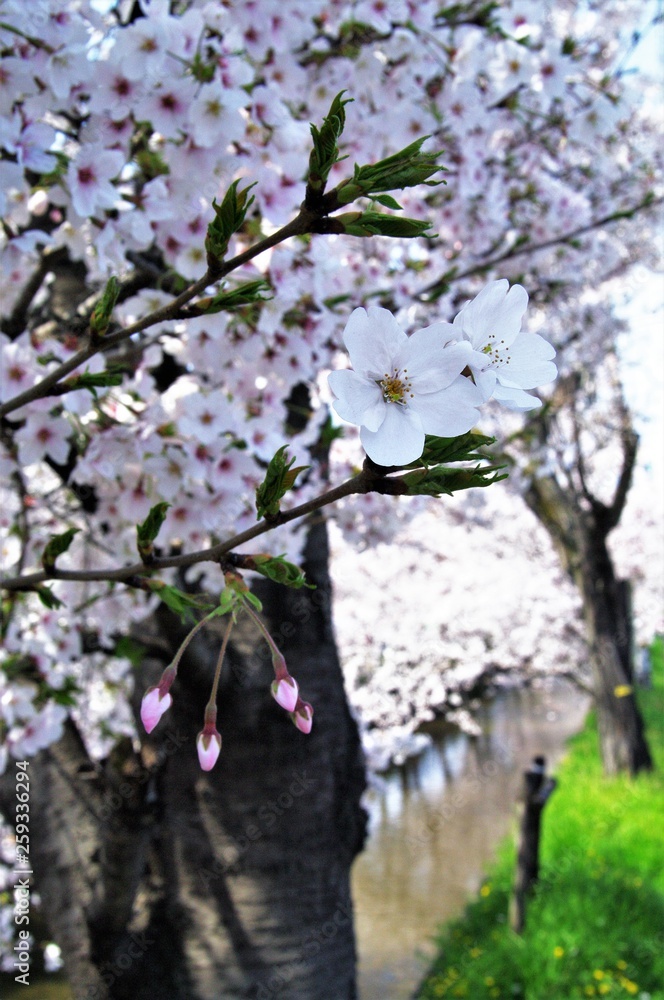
(300, 225)
(14, 324)
(429, 292)
(630, 445)
(366, 481)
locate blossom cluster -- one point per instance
(402, 388)
(116, 139)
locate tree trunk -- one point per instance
(222, 885)
(620, 725)
(579, 533)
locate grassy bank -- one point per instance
(595, 927)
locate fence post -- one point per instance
(537, 790)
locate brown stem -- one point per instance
(365, 482)
(298, 226)
(425, 293)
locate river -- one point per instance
(435, 824)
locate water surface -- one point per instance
(436, 823)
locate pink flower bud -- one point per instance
(157, 700)
(153, 706)
(208, 744)
(303, 716)
(285, 693)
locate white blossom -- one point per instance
(403, 387)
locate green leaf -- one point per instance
(233, 595)
(234, 298)
(407, 168)
(56, 545)
(101, 314)
(279, 479)
(93, 381)
(457, 449)
(149, 529)
(388, 201)
(377, 224)
(66, 695)
(228, 218)
(440, 480)
(183, 604)
(48, 598)
(202, 69)
(229, 599)
(253, 600)
(127, 648)
(325, 152)
(278, 568)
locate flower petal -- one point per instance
(398, 441)
(372, 338)
(303, 716)
(285, 692)
(153, 707)
(530, 363)
(451, 411)
(515, 399)
(496, 309)
(431, 365)
(358, 399)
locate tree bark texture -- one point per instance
(579, 531)
(162, 881)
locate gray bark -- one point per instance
(161, 880)
(579, 527)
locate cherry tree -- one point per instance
(200, 224)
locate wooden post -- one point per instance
(538, 788)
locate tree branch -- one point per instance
(436, 288)
(300, 225)
(14, 324)
(630, 446)
(366, 481)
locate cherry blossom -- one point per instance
(89, 179)
(43, 434)
(537, 143)
(506, 360)
(402, 387)
(303, 716)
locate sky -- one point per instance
(642, 301)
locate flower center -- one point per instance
(396, 386)
(497, 352)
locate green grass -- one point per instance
(595, 926)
